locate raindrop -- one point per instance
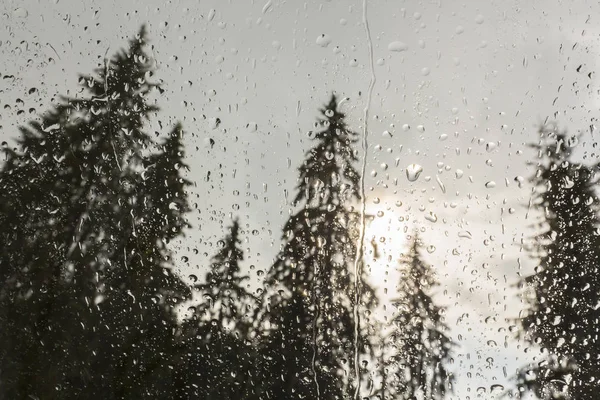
(459, 173)
(496, 388)
(20, 13)
(520, 180)
(211, 14)
(193, 278)
(51, 128)
(267, 7)
(413, 171)
(397, 46)
(490, 184)
(252, 126)
(440, 183)
(431, 217)
(323, 40)
(479, 19)
(465, 234)
(214, 122)
(491, 146)
(573, 141)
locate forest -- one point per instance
(91, 296)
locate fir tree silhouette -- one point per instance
(309, 334)
(216, 338)
(224, 288)
(87, 294)
(417, 350)
(562, 313)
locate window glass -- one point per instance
(268, 199)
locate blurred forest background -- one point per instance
(93, 304)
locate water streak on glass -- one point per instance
(361, 238)
(314, 339)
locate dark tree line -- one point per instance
(563, 302)
(89, 206)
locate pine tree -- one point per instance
(309, 337)
(224, 287)
(87, 292)
(417, 349)
(562, 314)
(217, 338)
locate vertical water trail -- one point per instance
(359, 250)
(314, 338)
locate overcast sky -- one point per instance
(461, 86)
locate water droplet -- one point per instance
(425, 71)
(459, 173)
(459, 29)
(267, 7)
(252, 126)
(405, 127)
(214, 122)
(491, 146)
(51, 128)
(397, 46)
(413, 171)
(421, 128)
(430, 249)
(20, 13)
(211, 14)
(443, 137)
(520, 180)
(573, 141)
(479, 19)
(490, 184)
(193, 278)
(465, 234)
(497, 388)
(431, 217)
(323, 40)
(440, 183)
